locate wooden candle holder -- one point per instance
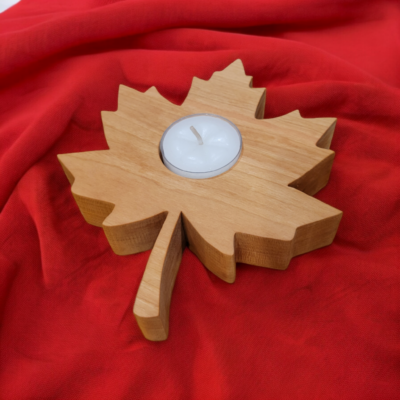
(260, 212)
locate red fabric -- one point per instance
(326, 328)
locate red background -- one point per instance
(326, 328)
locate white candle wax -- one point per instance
(216, 150)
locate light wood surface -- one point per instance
(259, 212)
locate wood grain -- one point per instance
(259, 212)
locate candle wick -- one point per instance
(197, 134)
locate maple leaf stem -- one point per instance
(154, 295)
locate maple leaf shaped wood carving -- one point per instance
(260, 212)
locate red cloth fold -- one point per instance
(326, 328)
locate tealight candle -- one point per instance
(201, 146)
